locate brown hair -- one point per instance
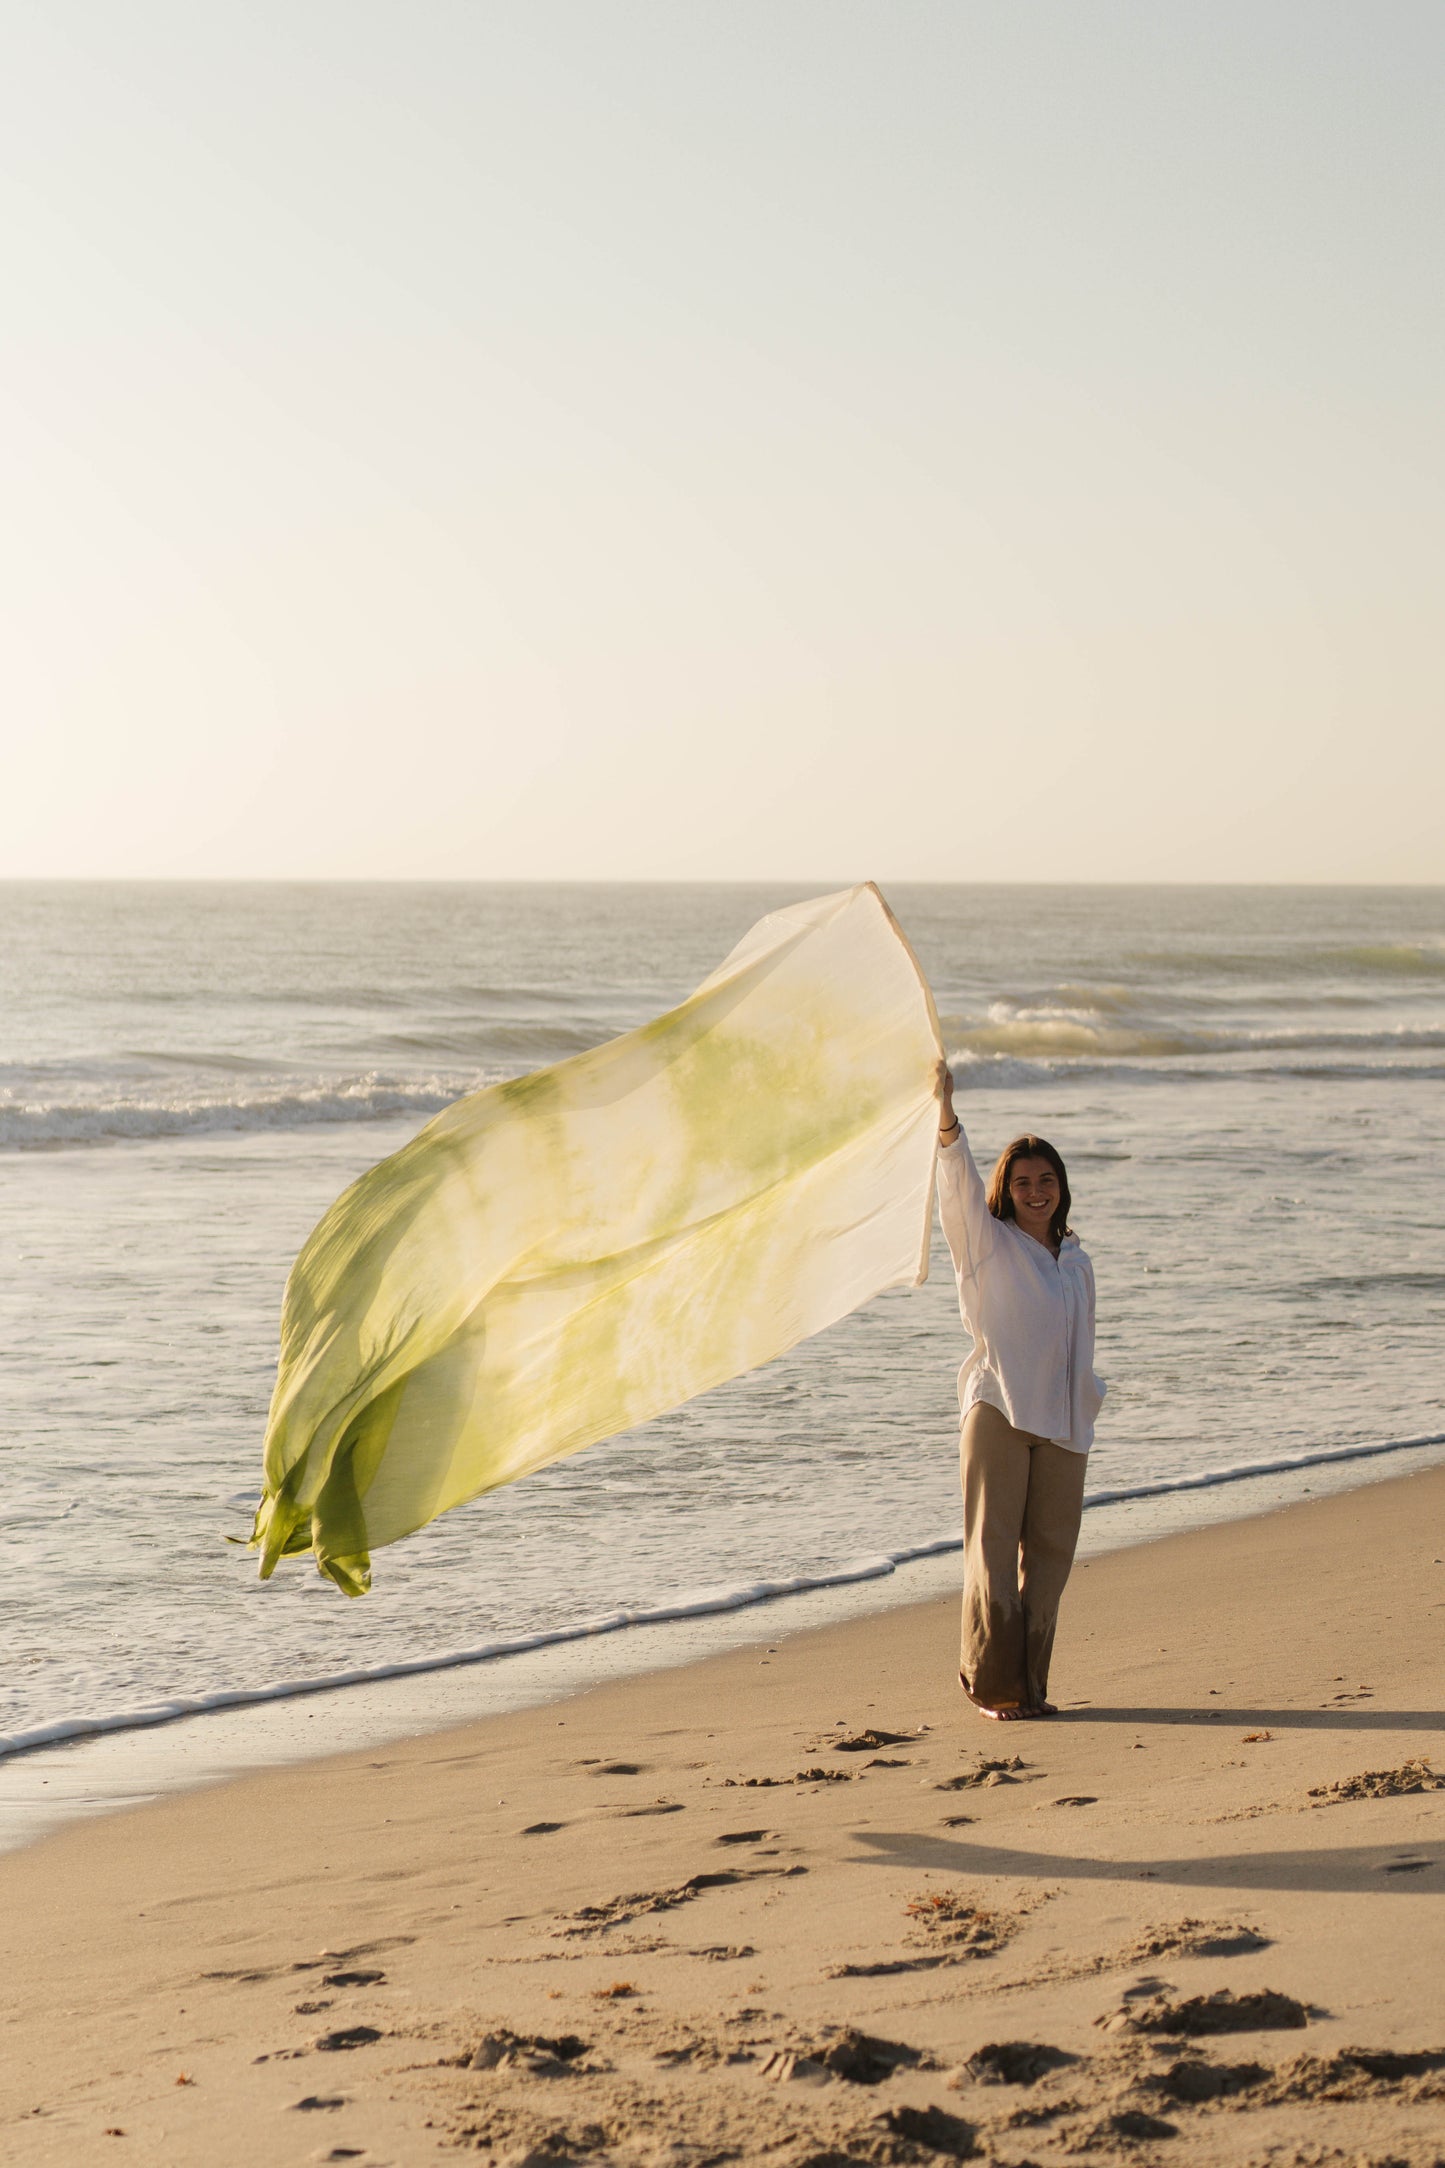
(1001, 1204)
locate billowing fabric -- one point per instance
(558, 1258)
(1031, 1315)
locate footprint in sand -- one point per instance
(1015, 2062)
(1195, 1938)
(1141, 1990)
(745, 1836)
(1411, 1776)
(541, 2055)
(1131, 2123)
(801, 1776)
(346, 2036)
(866, 1742)
(934, 2128)
(542, 1829)
(856, 2057)
(597, 1919)
(1196, 2080)
(1222, 2012)
(1001, 1769)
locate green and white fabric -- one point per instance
(558, 1258)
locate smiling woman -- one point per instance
(1029, 1397)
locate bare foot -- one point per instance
(1042, 1708)
(1000, 1712)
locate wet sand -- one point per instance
(777, 1907)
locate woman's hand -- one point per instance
(947, 1119)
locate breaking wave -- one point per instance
(39, 1124)
(1097, 1026)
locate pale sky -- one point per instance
(811, 439)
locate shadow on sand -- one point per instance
(1378, 1869)
(1343, 1718)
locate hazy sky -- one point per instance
(780, 438)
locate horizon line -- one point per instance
(821, 882)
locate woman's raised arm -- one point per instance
(969, 1228)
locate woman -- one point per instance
(1029, 1397)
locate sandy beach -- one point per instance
(797, 1904)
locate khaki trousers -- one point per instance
(1022, 1500)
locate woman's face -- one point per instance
(1033, 1189)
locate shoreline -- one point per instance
(128, 1761)
(639, 1927)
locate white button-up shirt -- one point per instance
(1031, 1314)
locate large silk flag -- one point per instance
(555, 1259)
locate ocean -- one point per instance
(1245, 1084)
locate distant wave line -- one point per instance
(993, 1072)
(1067, 1033)
(70, 1730)
(30, 1125)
